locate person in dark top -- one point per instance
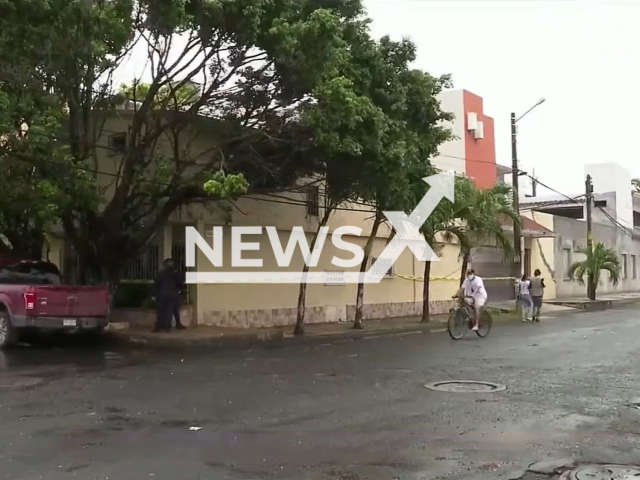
(537, 291)
(167, 289)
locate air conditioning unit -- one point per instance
(478, 134)
(472, 121)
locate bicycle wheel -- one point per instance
(485, 324)
(457, 324)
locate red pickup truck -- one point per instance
(33, 297)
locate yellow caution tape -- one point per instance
(447, 279)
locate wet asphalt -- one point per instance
(346, 410)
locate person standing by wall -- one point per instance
(526, 304)
(537, 292)
(167, 289)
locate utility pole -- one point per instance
(589, 199)
(515, 171)
(534, 183)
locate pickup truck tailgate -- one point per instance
(70, 301)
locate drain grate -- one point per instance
(465, 386)
(603, 472)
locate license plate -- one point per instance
(69, 322)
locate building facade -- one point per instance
(615, 222)
(472, 153)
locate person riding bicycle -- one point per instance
(474, 294)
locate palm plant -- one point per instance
(442, 222)
(482, 212)
(598, 257)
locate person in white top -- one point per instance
(524, 295)
(474, 294)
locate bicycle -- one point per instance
(461, 321)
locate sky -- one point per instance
(583, 56)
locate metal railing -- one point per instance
(145, 266)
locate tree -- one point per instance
(35, 182)
(444, 223)
(483, 212)
(347, 127)
(255, 65)
(598, 258)
(172, 97)
(412, 133)
(636, 184)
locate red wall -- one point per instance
(480, 154)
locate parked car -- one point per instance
(32, 297)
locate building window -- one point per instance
(178, 254)
(567, 263)
(634, 273)
(145, 266)
(118, 142)
(600, 203)
(334, 277)
(384, 268)
(313, 201)
(624, 266)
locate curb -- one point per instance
(262, 339)
(282, 338)
(290, 338)
(596, 305)
(210, 344)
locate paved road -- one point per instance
(344, 411)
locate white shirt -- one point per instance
(525, 287)
(474, 288)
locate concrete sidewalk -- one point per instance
(549, 308)
(220, 338)
(602, 302)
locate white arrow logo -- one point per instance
(408, 228)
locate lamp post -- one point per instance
(515, 173)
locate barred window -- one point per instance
(145, 266)
(178, 253)
(313, 201)
(385, 267)
(118, 142)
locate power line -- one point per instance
(618, 225)
(573, 199)
(614, 221)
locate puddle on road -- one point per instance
(53, 361)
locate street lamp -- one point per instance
(515, 173)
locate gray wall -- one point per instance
(490, 264)
(573, 233)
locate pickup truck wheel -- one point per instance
(7, 333)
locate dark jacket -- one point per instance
(168, 283)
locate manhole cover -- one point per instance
(603, 472)
(18, 382)
(465, 386)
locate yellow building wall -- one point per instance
(543, 253)
(406, 287)
(54, 252)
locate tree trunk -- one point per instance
(357, 324)
(465, 265)
(425, 292)
(591, 286)
(302, 295)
